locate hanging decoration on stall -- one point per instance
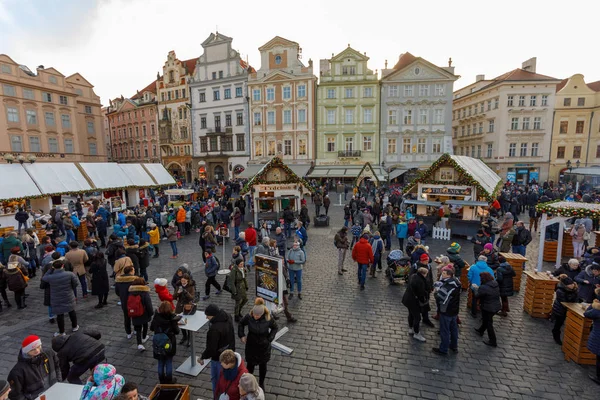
(465, 178)
(275, 172)
(569, 209)
(367, 172)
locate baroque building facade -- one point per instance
(416, 115)
(133, 126)
(219, 110)
(347, 117)
(174, 116)
(282, 106)
(507, 122)
(47, 116)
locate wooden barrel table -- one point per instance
(577, 330)
(539, 294)
(567, 244)
(550, 250)
(516, 261)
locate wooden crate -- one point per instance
(577, 331)
(516, 261)
(539, 294)
(82, 232)
(464, 281)
(550, 250)
(567, 245)
(6, 229)
(157, 388)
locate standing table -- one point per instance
(63, 391)
(194, 323)
(577, 330)
(567, 244)
(539, 294)
(516, 261)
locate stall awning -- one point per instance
(467, 203)
(423, 202)
(396, 173)
(57, 178)
(179, 192)
(16, 182)
(106, 176)
(250, 171)
(137, 174)
(300, 169)
(159, 173)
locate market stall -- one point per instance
(141, 180)
(560, 212)
(462, 185)
(161, 176)
(16, 186)
(274, 188)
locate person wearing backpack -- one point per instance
(211, 267)
(185, 292)
(164, 342)
(140, 310)
(15, 276)
(122, 285)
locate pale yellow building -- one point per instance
(47, 116)
(576, 132)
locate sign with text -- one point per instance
(464, 191)
(275, 186)
(269, 274)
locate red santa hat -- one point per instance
(30, 343)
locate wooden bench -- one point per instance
(539, 294)
(577, 331)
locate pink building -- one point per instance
(133, 126)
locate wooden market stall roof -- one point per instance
(474, 173)
(570, 209)
(16, 183)
(261, 176)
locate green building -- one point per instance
(347, 117)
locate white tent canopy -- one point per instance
(160, 174)
(55, 178)
(106, 175)
(479, 171)
(16, 182)
(137, 174)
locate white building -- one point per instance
(220, 110)
(507, 122)
(416, 109)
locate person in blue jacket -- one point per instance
(423, 230)
(377, 246)
(474, 279)
(401, 232)
(76, 223)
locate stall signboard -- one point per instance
(269, 278)
(511, 176)
(276, 186)
(116, 204)
(533, 176)
(459, 191)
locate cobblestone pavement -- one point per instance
(347, 343)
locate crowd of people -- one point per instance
(72, 269)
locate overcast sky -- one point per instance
(120, 45)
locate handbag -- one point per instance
(226, 284)
(25, 278)
(189, 309)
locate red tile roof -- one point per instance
(404, 60)
(150, 88)
(190, 65)
(522, 75)
(561, 84)
(595, 86)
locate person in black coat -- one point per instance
(504, 275)
(122, 285)
(262, 329)
(83, 349)
(489, 300)
(101, 230)
(100, 285)
(144, 258)
(132, 251)
(571, 269)
(220, 337)
(415, 297)
(447, 296)
(566, 292)
(165, 321)
(140, 323)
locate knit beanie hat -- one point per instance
(211, 310)
(4, 387)
(488, 246)
(424, 257)
(567, 281)
(30, 343)
(417, 235)
(455, 246)
(160, 282)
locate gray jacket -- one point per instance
(62, 283)
(297, 255)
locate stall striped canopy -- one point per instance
(58, 178)
(16, 183)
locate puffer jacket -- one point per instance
(166, 323)
(456, 260)
(77, 348)
(492, 259)
(489, 296)
(61, 283)
(593, 313)
(14, 278)
(144, 292)
(563, 295)
(447, 296)
(504, 276)
(298, 258)
(122, 284)
(586, 290)
(220, 336)
(32, 376)
(107, 384)
(362, 252)
(261, 332)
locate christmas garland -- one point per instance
(83, 192)
(466, 178)
(569, 209)
(261, 177)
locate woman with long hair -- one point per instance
(184, 295)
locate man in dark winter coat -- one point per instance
(84, 350)
(21, 216)
(62, 298)
(455, 258)
(122, 285)
(35, 371)
(220, 337)
(447, 296)
(521, 239)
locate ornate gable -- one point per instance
(273, 172)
